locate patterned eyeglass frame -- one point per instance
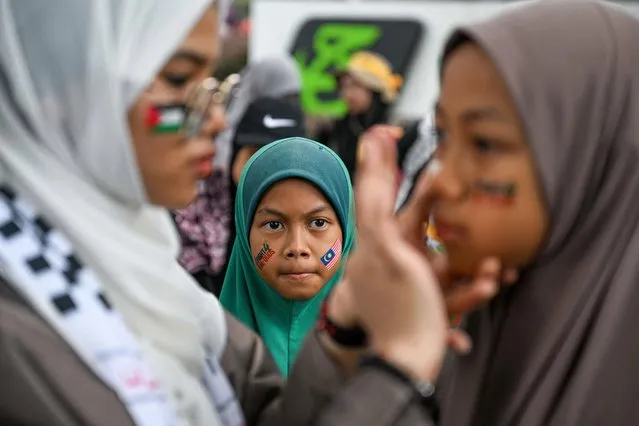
(202, 99)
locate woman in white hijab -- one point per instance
(99, 325)
(80, 234)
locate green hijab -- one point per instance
(283, 323)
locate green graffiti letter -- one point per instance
(333, 44)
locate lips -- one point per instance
(298, 276)
(448, 233)
(204, 166)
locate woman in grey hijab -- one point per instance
(273, 77)
(560, 347)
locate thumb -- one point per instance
(412, 217)
(375, 182)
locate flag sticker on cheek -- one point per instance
(165, 118)
(497, 193)
(265, 254)
(332, 255)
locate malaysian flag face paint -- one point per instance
(332, 255)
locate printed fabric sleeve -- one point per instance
(42, 381)
(316, 394)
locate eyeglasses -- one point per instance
(203, 98)
(191, 116)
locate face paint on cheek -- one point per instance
(265, 254)
(164, 119)
(432, 240)
(494, 192)
(332, 255)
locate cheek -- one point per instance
(511, 231)
(161, 160)
(330, 250)
(263, 252)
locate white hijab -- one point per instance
(69, 70)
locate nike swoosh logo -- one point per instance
(274, 123)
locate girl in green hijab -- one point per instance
(295, 224)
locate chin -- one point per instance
(462, 264)
(299, 297)
(299, 292)
(178, 199)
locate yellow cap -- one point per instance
(375, 72)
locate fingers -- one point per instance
(376, 174)
(462, 298)
(459, 341)
(489, 268)
(417, 209)
(468, 298)
(510, 276)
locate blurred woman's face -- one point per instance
(488, 198)
(170, 165)
(357, 97)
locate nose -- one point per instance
(215, 122)
(448, 184)
(297, 245)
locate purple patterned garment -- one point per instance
(204, 226)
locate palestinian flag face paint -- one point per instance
(165, 119)
(498, 193)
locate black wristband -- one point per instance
(424, 391)
(347, 337)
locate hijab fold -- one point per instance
(283, 323)
(560, 347)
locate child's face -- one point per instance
(488, 198)
(296, 239)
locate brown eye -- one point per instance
(273, 226)
(484, 146)
(319, 223)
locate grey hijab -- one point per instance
(273, 77)
(561, 347)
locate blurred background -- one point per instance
(322, 34)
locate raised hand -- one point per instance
(462, 294)
(396, 294)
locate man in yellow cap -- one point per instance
(369, 88)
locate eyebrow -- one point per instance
(274, 212)
(477, 114)
(191, 56)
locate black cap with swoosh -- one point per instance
(269, 119)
